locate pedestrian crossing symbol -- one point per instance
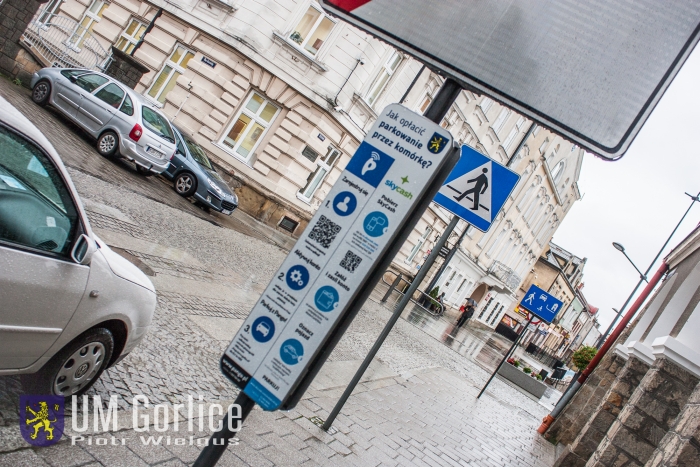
(476, 189)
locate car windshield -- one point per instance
(157, 124)
(73, 72)
(198, 153)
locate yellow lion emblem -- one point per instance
(41, 420)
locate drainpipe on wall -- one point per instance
(148, 29)
(549, 419)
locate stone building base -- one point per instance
(125, 68)
(15, 15)
(647, 417)
(585, 444)
(681, 445)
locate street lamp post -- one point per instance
(621, 249)
(643, 277)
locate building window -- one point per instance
(513, 133)
(131, 36)
(500, 120)
(249, 125)
(316, 178)
(424, 104)
(543, 147)
(419, 245)
(92, 16)
(383, 77)
(51, 9)
(312, 31)
(558, 171)
(167, 78)
(486, 104)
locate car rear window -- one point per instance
(157, 124)
(90, 82)
(127, 106)
(73, 72)
(111, 95)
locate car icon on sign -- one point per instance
(263, 328)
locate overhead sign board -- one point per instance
(541, 304)
(356, 223)
(591, 71)
(477, 188)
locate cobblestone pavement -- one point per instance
(416, 406)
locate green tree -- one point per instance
(583, 356)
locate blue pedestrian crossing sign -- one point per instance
(541, 304)
(477, 188)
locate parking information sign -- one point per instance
(541, 304)
(345, 238)
(477, 188)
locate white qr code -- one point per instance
(324, 232)
(350, 262)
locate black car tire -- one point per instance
(108, 144)
(185, 184)
(41, 92)
(143, 171)
(94, 348)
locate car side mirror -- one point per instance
(83, 250)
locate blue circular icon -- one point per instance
(263, 329)
(376, 224)
(291, 352)
(344, 203)
(326, 298)
(297, 277)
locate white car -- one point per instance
(69, 306)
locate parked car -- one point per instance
(121, 120)
(69, 305)
(193, 175)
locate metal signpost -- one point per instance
(591, 71)
(538, 303)
(330, 271)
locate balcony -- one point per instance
(506, 275)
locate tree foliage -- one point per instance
(583, 356)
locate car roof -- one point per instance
(132, 93)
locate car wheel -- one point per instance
(74, 369)
(144, 171)
(108, 144)
(185, 184)
(41, 92)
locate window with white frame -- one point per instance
(486, 104)
(131, 36)
(500, 120)
(543, 146)
(324, 165)
(557, 171)
(411, 256)
(92, 16)
(383, 77)
(423, 105)
(51, 9)
(513, 133)
(312, 30)
(249, 125)
(167, 78)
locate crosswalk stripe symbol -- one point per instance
(473, 190)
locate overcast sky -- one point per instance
(638, 200)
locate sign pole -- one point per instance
(444, 264)
(219, 440)
(437, 110)
(507, 356)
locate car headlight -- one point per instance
(215, 187)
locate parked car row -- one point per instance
(70, 306)
(125, 124)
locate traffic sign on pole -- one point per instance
(541, 304)
(358, 222)
(591, 71)
(477, 188)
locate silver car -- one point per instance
(69, 305)
(121, 120)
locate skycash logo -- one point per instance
(399, 190)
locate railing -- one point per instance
(505, 275)
(60, 41)
(397, 283)
(542, 355)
